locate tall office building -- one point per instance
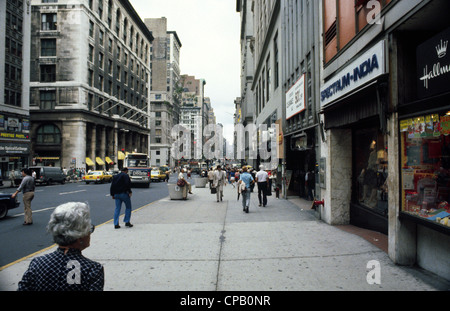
(165, 95)
(15, 18)
(90, 83)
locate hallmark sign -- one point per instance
(433, 66)
(360, 72)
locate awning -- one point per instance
(121, 155)
(109, 161)
(99, 161)
(48, 158)
(89, 162)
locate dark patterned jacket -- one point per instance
(63, 272)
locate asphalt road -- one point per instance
(18, 241)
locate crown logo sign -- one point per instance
(441, 49)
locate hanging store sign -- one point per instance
(433, 66)
(363, 70)
(295, 98)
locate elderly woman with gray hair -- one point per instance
(66, 269)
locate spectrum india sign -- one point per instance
(363, 70)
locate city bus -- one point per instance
(139, 169)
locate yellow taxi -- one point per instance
(97, 177)
(157, 174)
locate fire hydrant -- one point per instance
(317, 204)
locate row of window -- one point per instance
(139, 46)
(13, 98)
(14, 22)
(13, 47)
(13, 73)
(131, 65)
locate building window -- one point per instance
(101, 37)
(118, 16)
(91, 29)
(100, 9)
(101, 60)
(48, 47)
(48, 134)
(91, 54)
(91, 77)
(47, 100)
(49, 21)
(276, 62)
(48, 73)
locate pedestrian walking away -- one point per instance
(210, 177)
(27, 186)
(66, 269)
(262, 179)
(219, 181)
(120, 191)
(245, 181)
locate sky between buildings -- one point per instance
(209, 31)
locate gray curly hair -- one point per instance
(69, 222)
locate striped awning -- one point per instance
(99, 161)
(89, 162)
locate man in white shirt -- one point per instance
(262, 179)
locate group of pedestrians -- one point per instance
(245, 182)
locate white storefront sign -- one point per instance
(363, 70)
(295, 98)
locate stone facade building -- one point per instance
(90, 80)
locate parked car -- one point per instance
(97, 177)
(7, 203)
(47, 175)
(157, 174)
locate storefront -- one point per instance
(14, 144)
(354, 105)
(424, 126)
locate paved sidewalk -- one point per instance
(204, 245)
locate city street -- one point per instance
(18, 241)
(204, 245)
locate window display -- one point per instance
(425, 159)
(371, 167)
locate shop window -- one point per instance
(425, 163)
(371, 170)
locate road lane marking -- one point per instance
(72, 192)
(36, 211)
